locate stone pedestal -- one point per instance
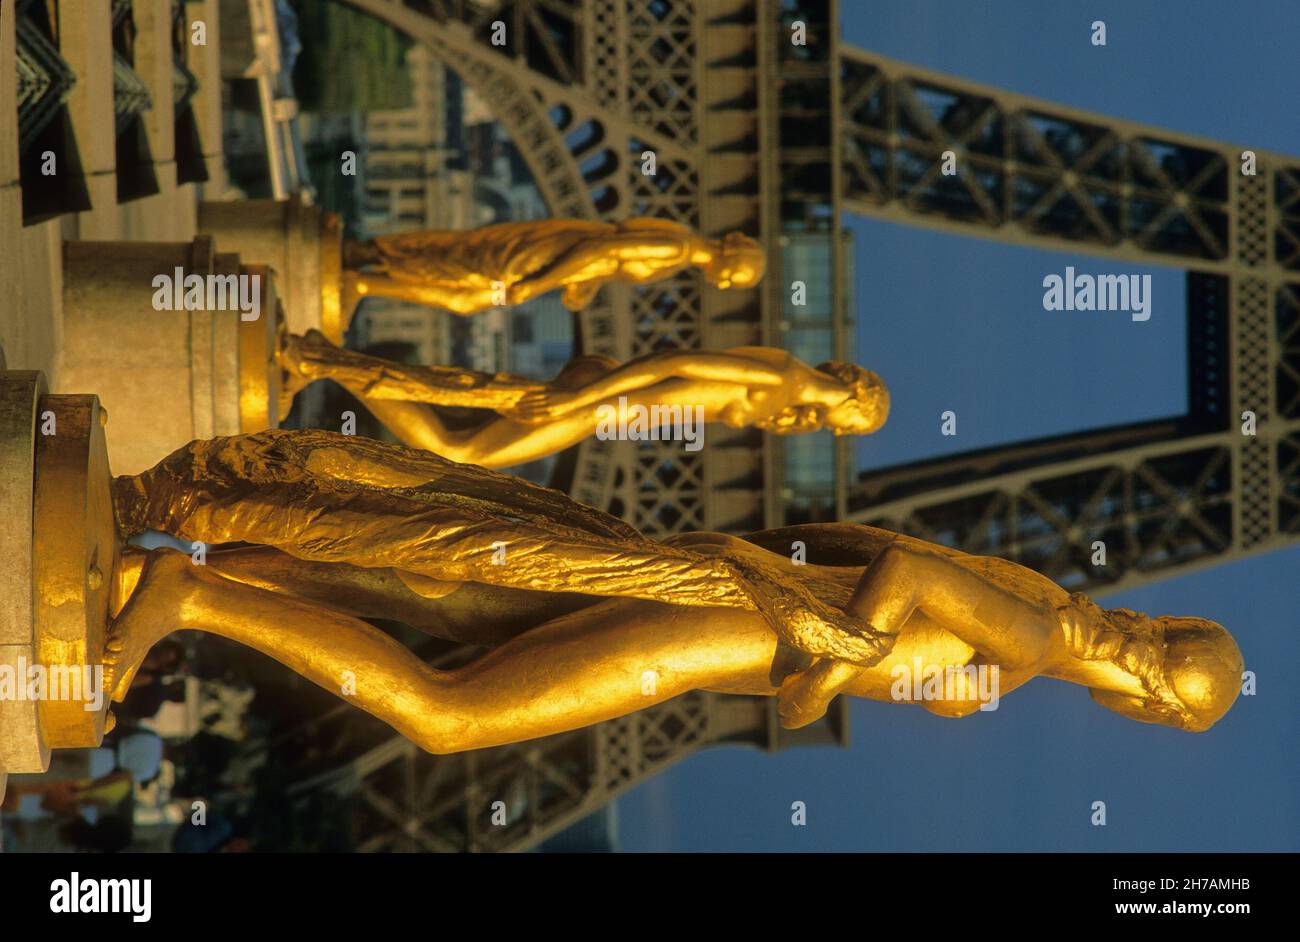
(303, 244)
(166, 377)
(60, 546)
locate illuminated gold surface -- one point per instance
(22, 742)
(333, 322)
(745, 386)
(61, 553)
(581, 609)
(509, 263)
(259, 367)
(76, 554)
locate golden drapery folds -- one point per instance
(585, 618)
(328, 497)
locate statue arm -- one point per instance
(1004, 628)
(703, 366)
(311, 357)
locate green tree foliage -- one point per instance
(350, 61)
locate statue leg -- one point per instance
(459, 299)
(592, 665)
(415, 424)
(465, 612)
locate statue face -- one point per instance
(1202, 667)
(865, 411)
(731, 273)
(855, 417)
(739, 264)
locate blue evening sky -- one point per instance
(957, 323)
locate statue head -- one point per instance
(1193, 681)
(862, 411)
(738, 262)
(865, 409)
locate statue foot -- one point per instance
(151, 613)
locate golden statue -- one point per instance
(586, 618)
(508, 263)
(761, 387)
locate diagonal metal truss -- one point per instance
(1032, 171)
(1164, 497)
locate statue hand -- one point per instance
(301, 357)
(805, 695)
(541, 405)
(293, 376)
(578, 296)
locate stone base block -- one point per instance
(168, 375)
(303, 244)
(61, 545)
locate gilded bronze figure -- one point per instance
(512, 262)
(579, 609)
(760, 387)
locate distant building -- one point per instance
(410, 184)
(814, 334)
(405, 152)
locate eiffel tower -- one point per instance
(753, 132)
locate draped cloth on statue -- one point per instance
(328, 497)
(478, 257)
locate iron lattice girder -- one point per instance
(582, 139)
(1033, 172)
(1038, 174)
(411, 801)
(1158, 508)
